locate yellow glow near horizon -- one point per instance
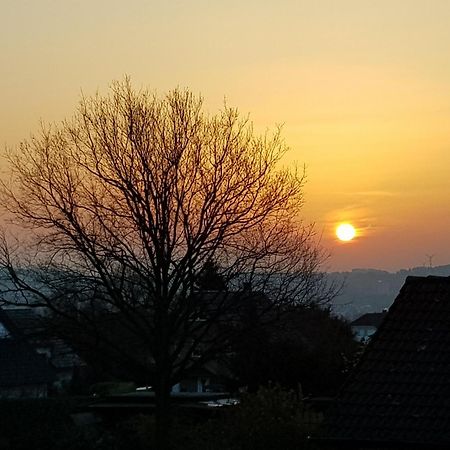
(362, 88)
(345, 232)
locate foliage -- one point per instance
(309, 346)
(267, 420)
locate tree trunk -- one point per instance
(162, 412)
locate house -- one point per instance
(211, 377)
(366, 325)
(25, 325)
(398, 396)
(23, 372)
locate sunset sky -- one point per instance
(361, 86)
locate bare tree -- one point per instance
(131, 198)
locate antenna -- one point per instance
(430, 260)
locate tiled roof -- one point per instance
(400, 391)
(21, 365)
(369, 320)
(26, 324)
(26, 320)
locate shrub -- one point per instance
(271, 419)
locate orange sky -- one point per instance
(361, 86)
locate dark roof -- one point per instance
(26, 324)
(369, 320)
(400, 391)
(21, 322)
(26, 320)
(20, 365)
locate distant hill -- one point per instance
(371, 290)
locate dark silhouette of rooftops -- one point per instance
(399, 393)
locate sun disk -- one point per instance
(345, 232)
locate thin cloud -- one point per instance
(373, 193)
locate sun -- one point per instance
(345, 232)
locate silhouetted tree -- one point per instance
(130, 201)
(309, 346)
(210, 279)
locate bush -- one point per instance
(271, 419)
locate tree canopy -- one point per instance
(132, 202)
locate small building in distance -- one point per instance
(398, 396)
(366, 325)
